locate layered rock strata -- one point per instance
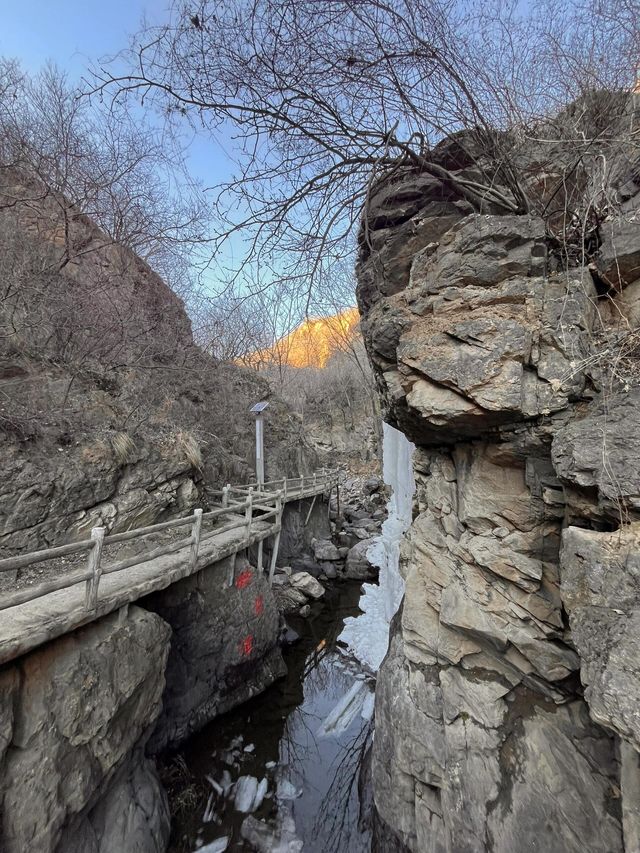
(506, 709)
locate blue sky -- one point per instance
(71, 32)
(75, 33)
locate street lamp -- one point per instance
(258, 411)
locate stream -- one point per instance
(297, 749)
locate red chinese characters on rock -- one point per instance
(258, 607)
(246, 645)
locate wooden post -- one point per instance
(196, 527)
(315, 482)
(248, 513)
(276, 541)
(260, 544)
(93, 565)
(302, 484)
(232, 569)
(225, 494)
(284, 488)
(338, 496)
(313, 503)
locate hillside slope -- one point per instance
(109, 413)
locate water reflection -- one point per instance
(280, 736)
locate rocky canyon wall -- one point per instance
(111, 414)
(75, 716)
(82, 717)
(506, 709)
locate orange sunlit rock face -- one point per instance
(313, 343)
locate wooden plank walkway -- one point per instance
(44, 617)
(28, 625)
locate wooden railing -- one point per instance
(267, 500)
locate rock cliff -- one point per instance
(506, 709)
(74, 719)
(109, 412)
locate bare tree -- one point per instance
(325, 95)
(110, 166)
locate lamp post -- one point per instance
(258, 411)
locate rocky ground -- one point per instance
(356, 519)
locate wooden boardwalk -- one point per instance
(32, 616)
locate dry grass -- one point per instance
(123, 447)
(189, 447)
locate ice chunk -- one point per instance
(270, 765)
(287, 791)
(343, 714)
(249, 793)
(246, 790)
(367, 636)
(260, 794)
(217, 846)
(250, 747)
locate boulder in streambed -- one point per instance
(288, 598)
(357, 565)
(324, 549)
(307, 584)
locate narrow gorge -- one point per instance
(283, 575)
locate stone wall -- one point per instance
(510, 690)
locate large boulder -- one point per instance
(324, 549)
(288, 599)
(74, 773)
(224, 645)
(357, 565)
(307, 585)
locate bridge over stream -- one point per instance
(240, 518)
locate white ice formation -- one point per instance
(367, 635)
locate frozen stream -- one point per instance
(297, 748)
